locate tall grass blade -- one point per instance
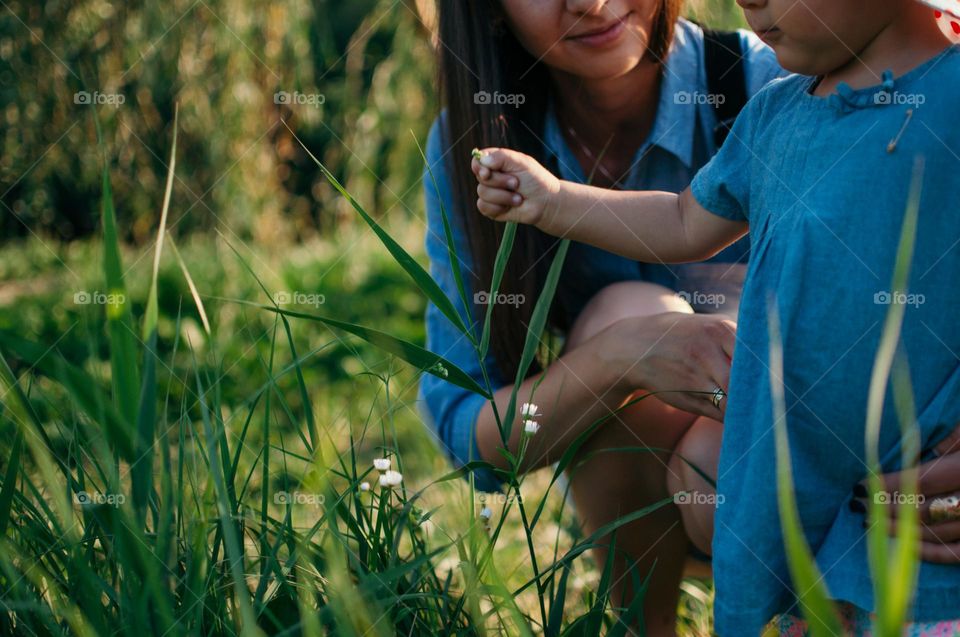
(142, 469)
(123, 348)
(414, 354)
(420, 276)
(818, 608)
(538, 322)
(892, 599)
(451, 244)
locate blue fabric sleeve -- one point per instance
(451, 411)
(723, 185)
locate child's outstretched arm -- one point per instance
(645, 226)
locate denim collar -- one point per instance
(675, 124)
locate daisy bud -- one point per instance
(381, 464)
(486, 513)
(530, 427)
(364, 486)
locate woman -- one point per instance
(614, 91)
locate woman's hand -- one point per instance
(684, 356)
(514, 186)
(937, 479)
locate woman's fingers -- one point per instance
(939, 553)
(950, 444)
(937, 476)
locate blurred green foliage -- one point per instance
(364, 65)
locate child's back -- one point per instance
(823, 182)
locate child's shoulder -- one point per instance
(941, 73)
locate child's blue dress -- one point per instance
(826, 201)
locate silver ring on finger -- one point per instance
(945, 509)
(717, 397)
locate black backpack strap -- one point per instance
(726, 77)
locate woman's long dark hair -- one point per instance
(481, 59)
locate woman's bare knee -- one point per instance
(619, 301)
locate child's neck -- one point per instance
(901, 46)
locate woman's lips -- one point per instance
(602, 36)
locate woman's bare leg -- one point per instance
(701, 447)
(611, 484)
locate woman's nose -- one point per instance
(586, 7)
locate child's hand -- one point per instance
(514, 186)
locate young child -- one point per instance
(818, 168)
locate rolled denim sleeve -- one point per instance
(449, 410)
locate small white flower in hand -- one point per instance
(381, 464)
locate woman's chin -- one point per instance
(604, 66)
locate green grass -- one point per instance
(157, 474)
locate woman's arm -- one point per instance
(664, 352)
(657, 227)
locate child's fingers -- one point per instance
(492, 210)
(498, 179)
(502, 159)
(499, 196)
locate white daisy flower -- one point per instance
(530, 427)
(529, 410)
(381, 464)
(391, 479)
